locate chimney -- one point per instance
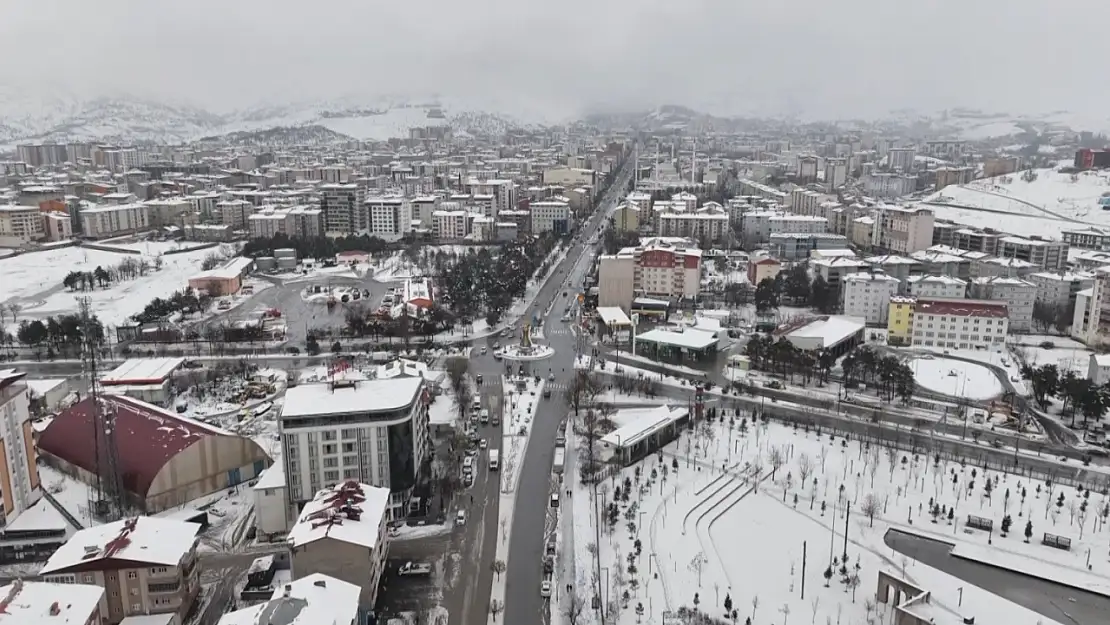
(288, 589)
(320, 583)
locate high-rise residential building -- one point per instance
(658, 267)
(19, 475)
(341, 204)
(959, 324)
(1018, 294)
(385, 217)
(867, 295)
(902, 229)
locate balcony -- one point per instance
(173, 587)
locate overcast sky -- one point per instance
(826, 58)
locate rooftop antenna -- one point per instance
(106, 496)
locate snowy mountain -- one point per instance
(65, 118)
(312, 134)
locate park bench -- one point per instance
(980, 523)
(1059, 542)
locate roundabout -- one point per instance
(526, 349)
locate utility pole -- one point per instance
(803, 570)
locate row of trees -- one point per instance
(63, 334)
(129, 268)
(314, 247)
(783, 358)
(361, 321)
(1077, 394)
(887, 374)
(1048, 315)
(186, 301)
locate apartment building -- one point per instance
(99, 222)
(833, 270)
(146, 565)
(343, 532)
(233, 213)
(659, 267)
(1093, 312)
(1089, 238)
(758, 189)
(902, 229)
(384, 217)
(758, 226)
(792, 246)
(57, 225)
(1018, 294)
(709, 222)
(900, 267)
(304, 221)
(19, 476)
(836, 173)
(866, 295)
(626, 217)
(342, 205)
(899, 324)
(501, 193)
(353, 428)
(936, 286)
(46, 603)
(570, 177)
(901, 159)
(450, 224)
(1060, 289)
(959, 324)
(1081, 328)
(940, 263)
(167, 212)
(20, 225)
(946, 176)
(1046, 254)
(889, 185)
(551, 216)
(266, 223)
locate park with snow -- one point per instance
(737, 519)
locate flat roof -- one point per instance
(639, 427)
(350, 512)
(142, 371)
(318, 399)
(962, 308)
(832, 329)
(613, 316)
(274, 477)
(30, 602)
(143, 539)
(690, 338)
(315, 599)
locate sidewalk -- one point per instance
(567, 574)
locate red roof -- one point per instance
(961, 308)
(146, 436)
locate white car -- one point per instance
(482, 444)
(460, 517)
(545, 588)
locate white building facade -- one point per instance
(867, 296)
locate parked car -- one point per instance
(415, 568)
(460, 517)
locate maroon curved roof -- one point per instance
(146, 436)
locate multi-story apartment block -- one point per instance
(899, 324)
(343, 532)
(705, 222)
(422, 209)
(1091, 323)
(551, 216)
(352, 428)
(57, 225)
(1089, 238)
(836, 173)
(104, 221)
(20, 225)
(758, 226)
(790, 246)
(900, 267)
(940, 263)
(889, 185)
(936, 286)
(946, 176)
(901, 159)
(658, 267)
(266, 223)
(867, 296)
(1018, 294)
(304, 221)
(451, 224)
(751, 187)
(167, 212)
(314, 598)
(1044, 253)
(833, 270)
(626, 217)
(19, 476)
(146, 565)
(1060, 289)
(384, 217)
(342, 205)
(1081, 328)
(233, 213)
(902, 229)
(959, 324)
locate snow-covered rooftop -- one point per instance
(641, 422)
(350, 512)
(45, 603)
(139, 539)
(142, 371)
(315, 599)
(832, 329)
(690, 338)
(367, 396)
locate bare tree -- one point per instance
(495, 608)
(14, 309)
(755, 605)
(498, 567)
(697, 565)
(776, 458)
(805, 467)
(823, 454)
(871, 507)
(873, 465)
(582, 391)
(573, 609)
(813, 604)
(785, 609)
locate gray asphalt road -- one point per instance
(523, 603)
(1060, 603)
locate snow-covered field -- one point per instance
(955, 377)
(1067, 354)
(1046, 206)
(689, 535)
(34, 280)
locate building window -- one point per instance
(136, 607)
(330, 449)
(331, 476)
(132, 575)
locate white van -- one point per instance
(483, 416)
(476, 405)
(468, 465)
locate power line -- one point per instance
(105, 500)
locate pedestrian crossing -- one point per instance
(493, 381)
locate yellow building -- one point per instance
(899, 323)
(626, 218)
